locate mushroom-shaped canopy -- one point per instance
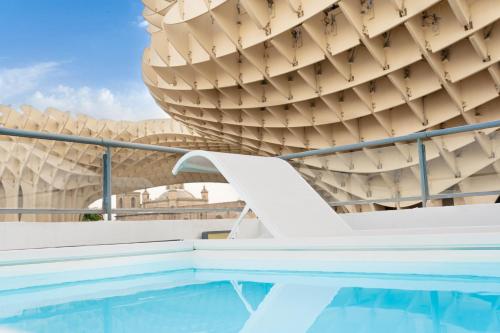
(282, 200)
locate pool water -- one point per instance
(241, 301)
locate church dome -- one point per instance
(180, 194)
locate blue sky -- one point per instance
(82, 56)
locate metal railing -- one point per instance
(108, 144)
(404, 138)
(106, 163)
(418, 137)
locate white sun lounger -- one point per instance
(282, 200)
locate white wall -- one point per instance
(25, 235)
(431, 217)
(31, 235)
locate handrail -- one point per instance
(322, 151)
(386, 141)
(414, 198)
(106, 143)
(89, 140)
(107, 209)
(119, 211)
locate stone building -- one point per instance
(176, 196)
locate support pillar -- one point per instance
(106, 183)
(422, 163)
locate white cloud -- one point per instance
(141, 22)
(132, 103)
(39, 85)
(20, 80)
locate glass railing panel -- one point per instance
(133, 171)
(144, 188)
(48, 178)
(464, 168)
(381, 177)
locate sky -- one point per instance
(81, 56)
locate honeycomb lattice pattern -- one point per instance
(281, 76)
(49, 174)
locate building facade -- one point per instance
(177, 197)
(284, 76)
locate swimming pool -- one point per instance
(200, 300)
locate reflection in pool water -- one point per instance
(211, 301)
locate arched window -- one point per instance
(132, 202)
(120, 203)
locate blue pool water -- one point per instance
(231, 301)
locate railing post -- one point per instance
(106, 183)
(422, 163)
